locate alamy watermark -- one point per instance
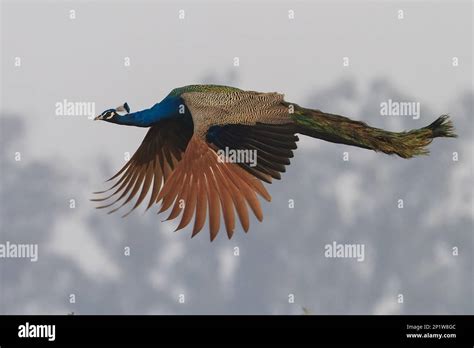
(400, 108)
(337, 250)
(28, 330)
(247, 156)
(25, 251)
(70, 108)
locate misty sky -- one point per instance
(81, 250)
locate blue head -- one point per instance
(168, 108)
(112, 115)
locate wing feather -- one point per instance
(208, 186)
(274, 145)
(150, 166)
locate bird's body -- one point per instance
(179, 160)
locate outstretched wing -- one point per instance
(201, 181)
(273, 145)
(150, 166)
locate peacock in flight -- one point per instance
(180, 159)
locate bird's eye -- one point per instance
(110, 115)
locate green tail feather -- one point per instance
(442, 127)
(339, 129)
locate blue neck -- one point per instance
(166, 109)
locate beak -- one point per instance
(97, 118)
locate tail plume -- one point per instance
(340, 129)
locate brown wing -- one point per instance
(202, 184)
(150, 166)
(274, 145)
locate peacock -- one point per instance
(180, 159)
